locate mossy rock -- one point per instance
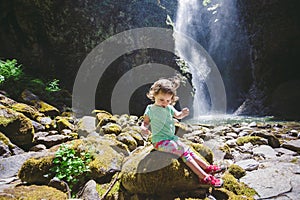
(103, 117)
(6, 141)
(63, 123)
(45, 108)
(27, 110)
(113, 191)
(111, 128)
(16, 126)
(33, 192)
(252, 139)
(236, 171)
(204, 151)
(108, 155)
(237, 188)
(127, 139)
(33, 170)
(150, 172)
(136, 135)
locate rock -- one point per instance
(16, 126)
(111, 128)
(103, 117)
(89, 191)
(35, 169)
(37, 126)
(45, 108)
(64, 123)
(29, 111)
(10, 166)
(265, 150)
(127, 139)
(108, 155)
(273, 141)
(4, 100)
(236, 171)
(86, 125)
(40, 105)
(293, 145)
(4, 150)
(248, 164)
(285, 151)
(50, 140)
(269, 182)
(33, 192)
(253, 139)
(38, 147)
(152, 172)
(59, 184)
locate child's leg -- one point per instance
(198, 160)
(182, 150)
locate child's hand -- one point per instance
(145, 132)
(185, 112)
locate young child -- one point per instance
(160, 116)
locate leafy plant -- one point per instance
(69, 165)
(10, 70)
(53, 86)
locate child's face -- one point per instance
(163, 99)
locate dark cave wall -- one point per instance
(273, 28)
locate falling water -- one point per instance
(214, 26)
(186, 18)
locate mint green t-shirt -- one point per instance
(161, 122)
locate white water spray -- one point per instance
(185, 20)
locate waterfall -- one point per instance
(186, 18)
(214, 26)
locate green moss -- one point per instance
(5, 140)
(27, 110)
(45, 108)
(33, 170)
(225, 148)
(253, 139)
(294, 160)
(63, 123)
(35, 192)
(114, 191)
(238, 188)
(204, 152)
(236, 171)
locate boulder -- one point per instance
(16, 126)
(33, 192)
(150, 172)
(86, 125)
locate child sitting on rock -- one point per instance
(160, 116)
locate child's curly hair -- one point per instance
(166, 86)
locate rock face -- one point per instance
(273, 28)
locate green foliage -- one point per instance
(182, 64)
(69, 165)
(53, 86)
(10, 70)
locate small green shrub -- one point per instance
(53, 86)
(70, 166)
(10, 70)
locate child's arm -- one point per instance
(145, 126)
(181, 114)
